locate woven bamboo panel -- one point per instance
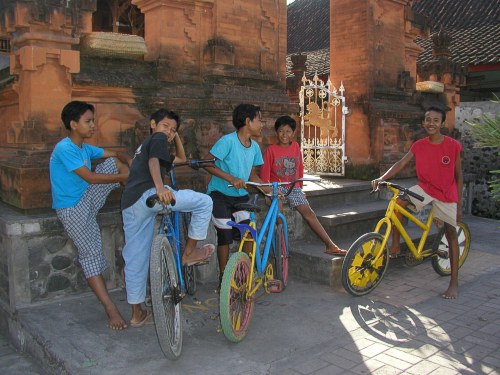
(113, 45)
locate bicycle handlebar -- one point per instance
(292, 183)
(153, 199)
(195, 164)
(401, 188)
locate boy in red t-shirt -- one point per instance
(439, 171)
(283, 163)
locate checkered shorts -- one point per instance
(80, 222)
(295, 198)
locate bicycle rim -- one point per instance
(165, 298)
(442, 265)
(361, 273)
(235, 308)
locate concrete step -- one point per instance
(349, 220)
(309, 262)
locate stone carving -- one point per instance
(218, 51)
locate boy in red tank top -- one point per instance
(439, 171)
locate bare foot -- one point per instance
(451, 292)
(115, 320)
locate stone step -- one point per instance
(309, 262)
(349, 221)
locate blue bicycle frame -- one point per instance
(272, 215)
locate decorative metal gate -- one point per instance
(322, 130)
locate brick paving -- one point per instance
(402, 327)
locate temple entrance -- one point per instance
(322, 130)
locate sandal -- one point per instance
(144, 320)
(338, 252)
(202, 255)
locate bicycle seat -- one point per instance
(251, 205)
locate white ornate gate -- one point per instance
(322, 131)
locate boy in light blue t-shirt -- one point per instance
(238, 157)
(78, 194)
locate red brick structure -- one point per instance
(373, 53)
(203, 58)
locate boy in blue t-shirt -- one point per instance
(78, 194)
(238, 157)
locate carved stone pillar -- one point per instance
(42, 62)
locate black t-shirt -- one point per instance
(139, 179)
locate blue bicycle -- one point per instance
(170, 281)
(245, 272)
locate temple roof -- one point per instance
(308, 25)
(474, 26)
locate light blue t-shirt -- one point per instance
(235, 159)
(67, 187)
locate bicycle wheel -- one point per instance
(441, 265)
(166, 298)
(360, 273)
(281, 254)
(234, 306)
(188, 272)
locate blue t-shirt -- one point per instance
(67, 187)
(235, 159)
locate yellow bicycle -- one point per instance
(366, 261)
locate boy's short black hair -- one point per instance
(438, 110)
(285, 120)
(242, 112)
(164, 113)
(73, 111)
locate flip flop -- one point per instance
(338, 252)
(143, 321)
(206, 250)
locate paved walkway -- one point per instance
(402, 327)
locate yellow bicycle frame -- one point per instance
(391, 219)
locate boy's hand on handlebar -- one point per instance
(238, 183)
(165, 196)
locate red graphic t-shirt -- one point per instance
(282, 164)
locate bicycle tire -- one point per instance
(281, 254)
(359, 274)
(441, 265)
(235, 309)
(188, 272)
(165, 298)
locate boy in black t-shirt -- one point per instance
(151, 162)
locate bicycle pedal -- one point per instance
(274, 286)
(443, 254)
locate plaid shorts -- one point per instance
(80, 222)
(296, 197)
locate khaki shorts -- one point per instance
(445, 211)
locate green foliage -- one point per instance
(486, 133)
